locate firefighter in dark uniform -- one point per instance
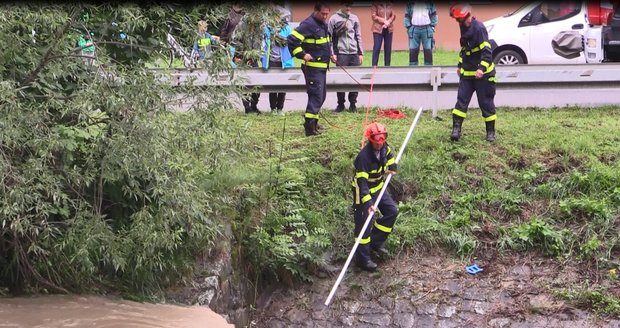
(311, 42)
(476, 72)
(372, 162)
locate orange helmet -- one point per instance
(460, 10)
(376, 133)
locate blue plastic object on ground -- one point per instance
(473, 269)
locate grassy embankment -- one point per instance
(549, 185)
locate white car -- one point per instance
(524, 36)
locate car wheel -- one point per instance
(508, 57)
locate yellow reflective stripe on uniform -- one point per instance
(460, 59)
(375, 171)
(383, 228)
(361, 175)
(310, 115)
(459, 113)
(297, 50)
(365, 241)
(473, 73)
(492, 79)
(490, 69)
(317, 41)
(489, 66)
(377, 188)
(390, 161)
(315, 64)
(490, 118)
(478, 48)
(298, 35)
(467, 73)
(374, 179)
(357, 190)
(366, 198)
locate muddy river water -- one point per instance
(95, 311)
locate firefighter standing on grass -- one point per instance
(372, 162)
(311, 42)
(476, 72)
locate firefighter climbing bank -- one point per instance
(476, 72)
(311, 42)
(374, 160)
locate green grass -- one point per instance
(401, 58)
(548, 186)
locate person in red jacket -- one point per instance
(371, 164)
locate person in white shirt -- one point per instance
(420, 22)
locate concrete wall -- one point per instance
(446, 34)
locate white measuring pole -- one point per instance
(361, 234)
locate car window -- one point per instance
(551, 11)
(517, 11)
(559, 10)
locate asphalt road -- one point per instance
(548, 98)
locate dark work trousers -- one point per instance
(485, 91)
(276, 99)
(347, 60)
(315, 88)
(377, 231)
(250, 103)
(386, 37)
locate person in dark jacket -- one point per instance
(372, 162)
(241, 44)
(476, 72)
(231, 22)
(344, 27)
(311, 42)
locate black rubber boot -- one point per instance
(490, 131)
(363, 260)
(428, 57)
(457, 122)
(413, 56)
(309, 127)
(380, 251)
(318, 129)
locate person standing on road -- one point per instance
(276, 53)
(476, 72)
(420, 21)
(237, 44)
(371, 164)
(311, 42)
(382, 31)
(344, 26)
(247, 38)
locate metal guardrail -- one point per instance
(564, 80)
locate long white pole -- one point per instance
(361, 234)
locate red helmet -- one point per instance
(376, 133)
(460, 10)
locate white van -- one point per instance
(524, 36)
